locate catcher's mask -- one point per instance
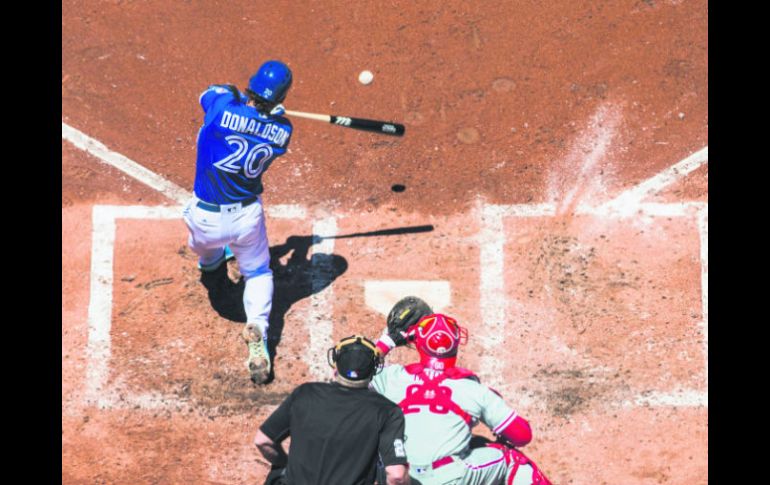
(355, 358)
(437, 338)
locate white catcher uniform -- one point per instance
(442, 403)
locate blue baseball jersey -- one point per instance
(236, 145)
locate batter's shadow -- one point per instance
(299, 278)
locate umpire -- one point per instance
(339, 430)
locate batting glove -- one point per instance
(278, 110)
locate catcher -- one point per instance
(442, 403)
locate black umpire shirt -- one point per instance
(337, 434)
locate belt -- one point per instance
(442, 461)
(433, 466)
(218, 207)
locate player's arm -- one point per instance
(397, 475)
(273, 431)
(215, 92)
(385, 343)
(272, 451)
(384, 381)
(401, 318)
(504, 421)
(391, 448)
(379, 381)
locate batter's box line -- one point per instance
(99, 345)
(628, 204)
(104, 218)
(494, 303)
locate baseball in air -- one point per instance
(365, 77)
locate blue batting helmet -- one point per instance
(271, 82)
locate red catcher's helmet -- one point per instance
(437, 338)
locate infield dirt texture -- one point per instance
(559, 150)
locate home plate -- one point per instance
(381, 295)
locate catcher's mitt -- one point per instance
(405, 313)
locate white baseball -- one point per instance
(365, 77)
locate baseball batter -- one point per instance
(242, 134)
(442, 403)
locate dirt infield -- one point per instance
(556, 184)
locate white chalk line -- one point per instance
(381, 295)
(681, 398)
(103, 241)
(153, 180)
(286, 211)
(629, 200)
(493, 302)
(319, 323)
(704, 259)
(124, 164)
(492, 293)
(690, 397)
(591, 147)
(98, 347)
(649, 209)
(98, 350)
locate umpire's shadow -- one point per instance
(299, 278)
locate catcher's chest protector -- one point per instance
(431, 393)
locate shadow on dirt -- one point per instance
(300, 277)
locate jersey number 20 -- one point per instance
(253, 162)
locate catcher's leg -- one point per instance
(482, 466)
(520, 469)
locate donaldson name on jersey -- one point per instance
(236, 145)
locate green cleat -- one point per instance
(258, 363)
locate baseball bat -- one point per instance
(384, 127)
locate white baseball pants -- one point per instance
(243, 229)
(483, 466)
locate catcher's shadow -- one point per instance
(298, 278)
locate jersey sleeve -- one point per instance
(495, 412)
(380, 381)
(212, 94)
(288, 127)
(277, 425)
(503, 420)
(391, 445)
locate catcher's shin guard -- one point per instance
(514, 459)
